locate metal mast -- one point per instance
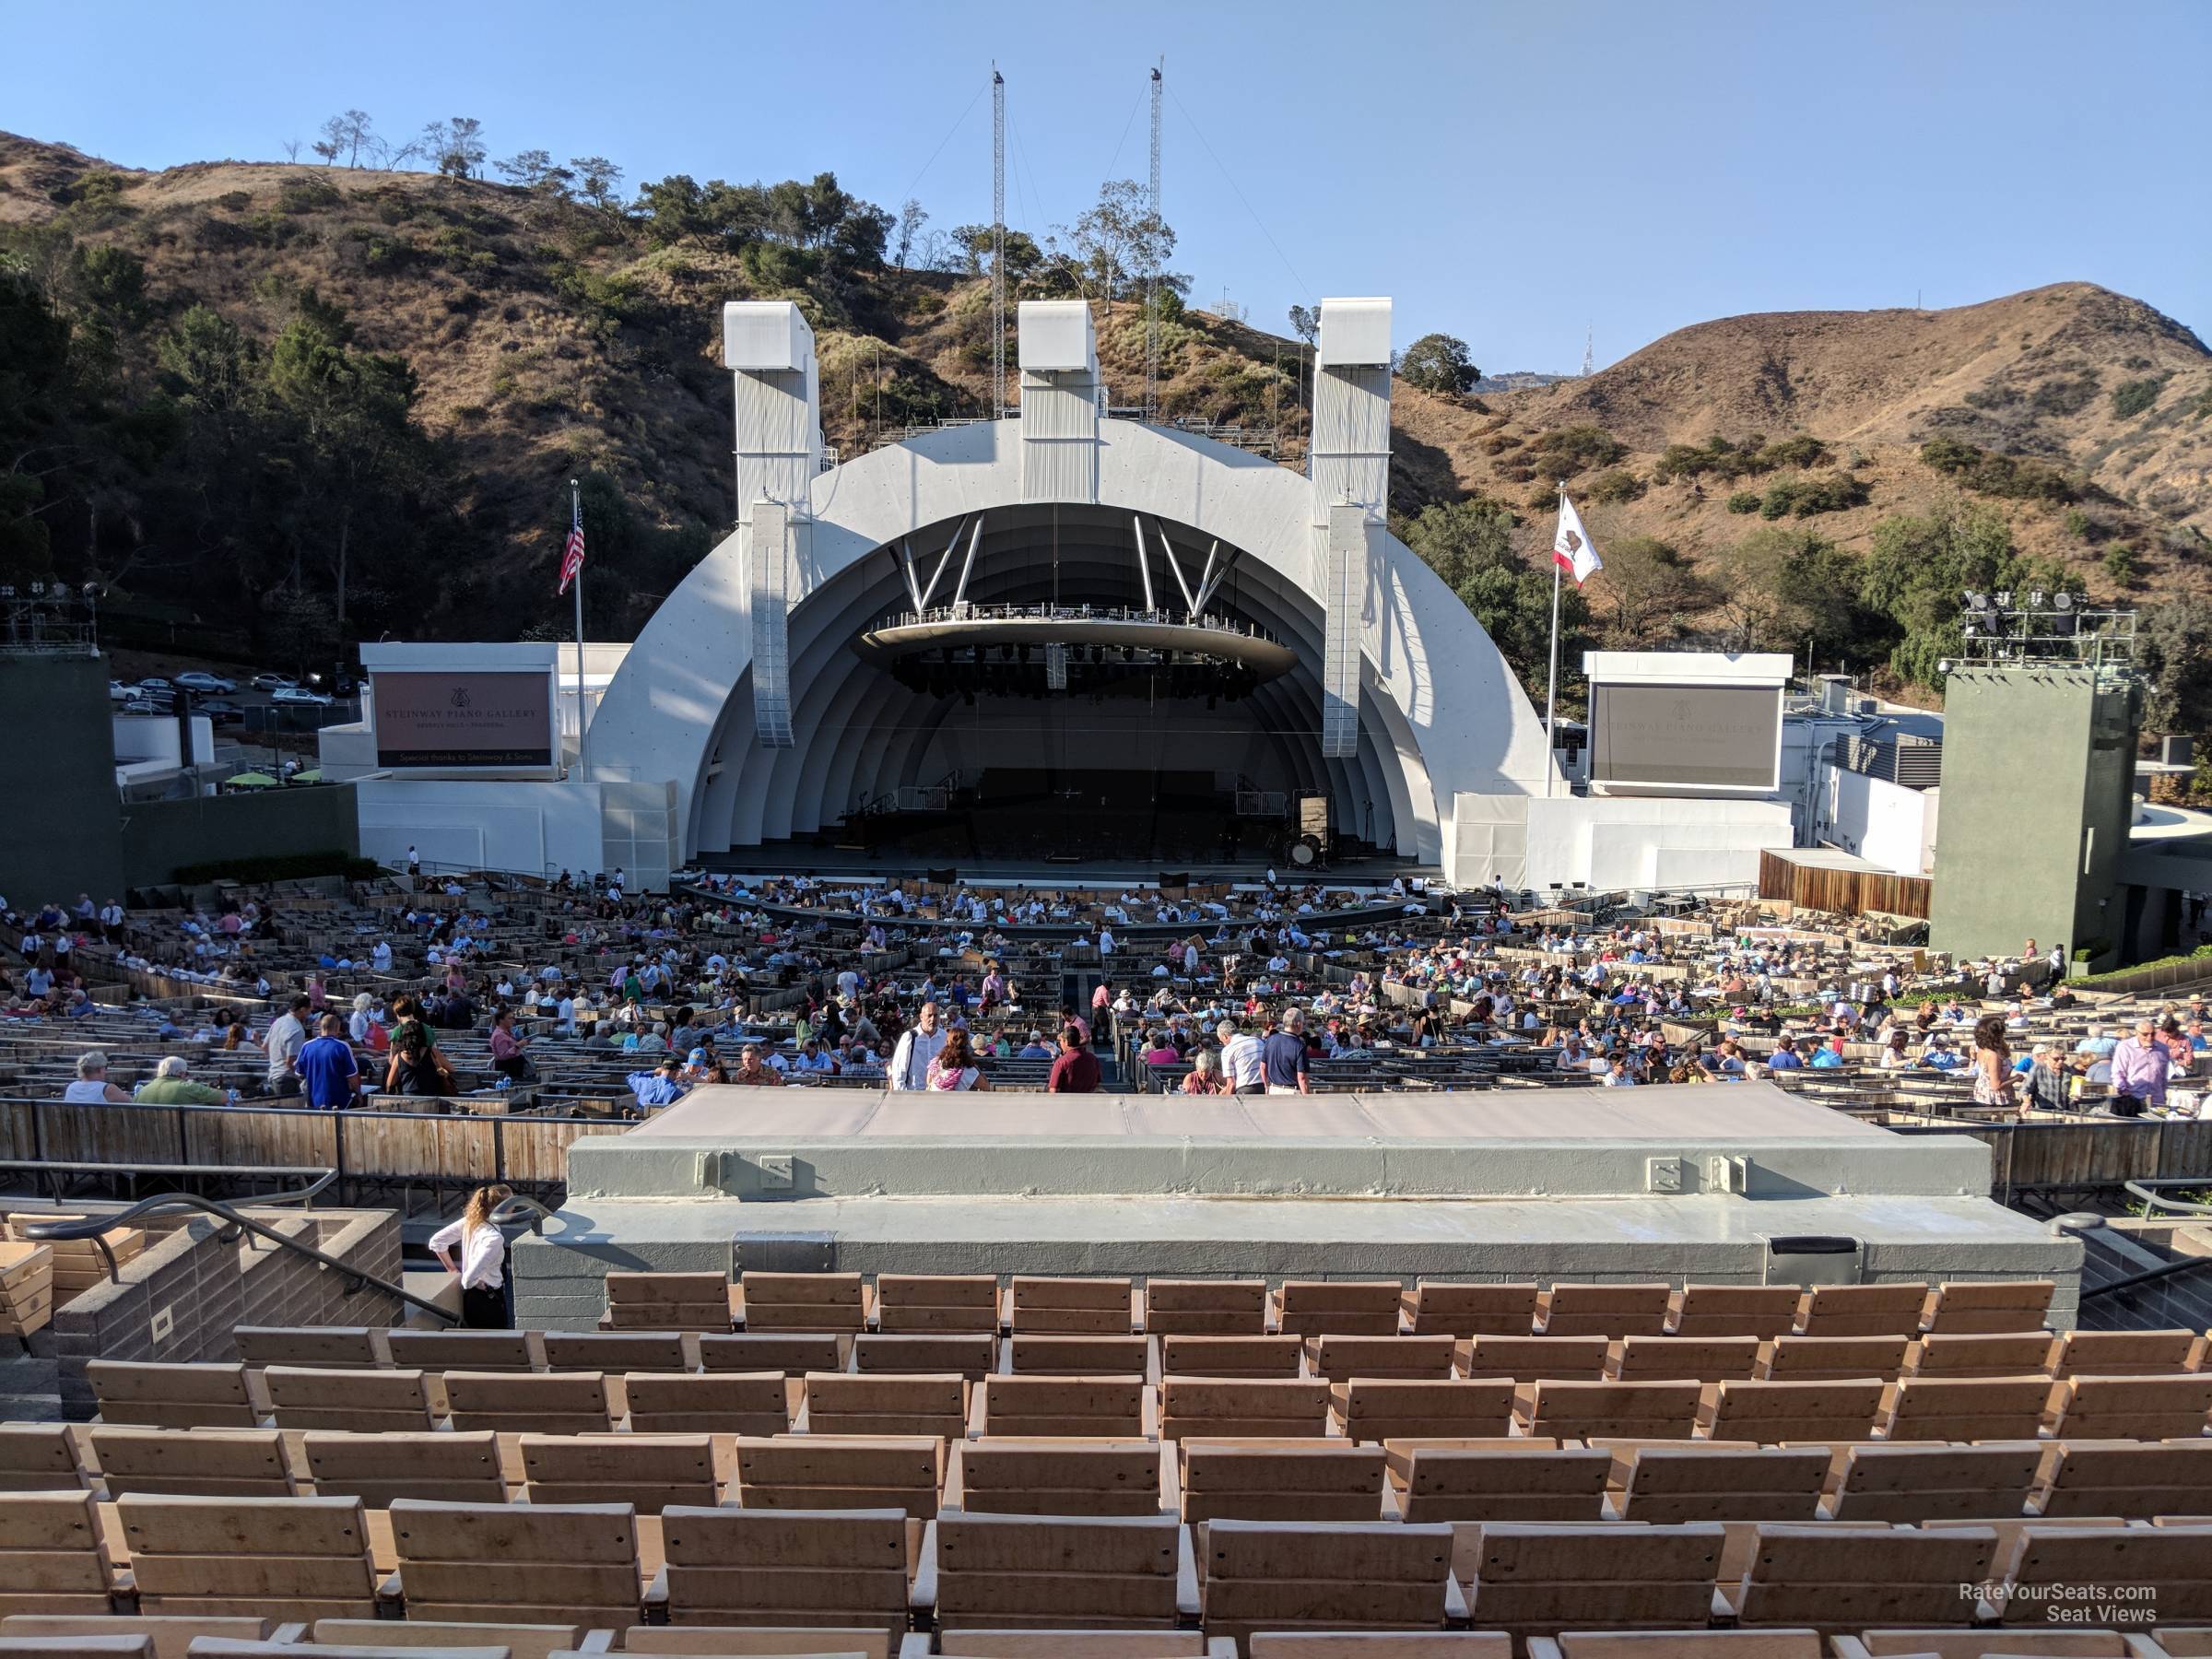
(998, 245)
(1152, 266)
(1589, 350)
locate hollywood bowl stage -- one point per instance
(1688, 1183)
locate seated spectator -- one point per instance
(1205, 1075)
(172, 1086)
(92, 1087)
(662, 1086)
(753, 1070)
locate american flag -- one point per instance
(571, 555)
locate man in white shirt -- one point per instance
(1240, 1058)
(287, 1036)
(918, 1045)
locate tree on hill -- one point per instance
(1305, 323)
(598, 182)
(1439, 362)
(1645, 591)
(347, 134)
(455, 147)
(1120, 240)
(1469, 544)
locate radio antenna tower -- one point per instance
(1589, 350)
(1152, 264)
(998, 245)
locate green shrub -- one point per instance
(2077, 524)
(308, 195)
(1570, 450)
(2120, 564)
(1616, 487)
(1744, 500)
(1799, 451)
(234, 200)
(2065, 396)
(2132, 397)
(1781, 498)
(1988, 474)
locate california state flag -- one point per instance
(1570, 549)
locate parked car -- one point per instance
(119, 692)
(222, 710)
(299, 694)
(149, 702)
(273, 682)
(151, 684)
(198, 681)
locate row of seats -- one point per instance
(1334, 1355)
(1362, 1407)
(916, 1302)
(582, 1564)
(1050, 1470)
(118, 1636)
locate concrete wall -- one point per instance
(2038, 783)
(62, 833)
(527, 826)
(160, 837)
(1611, 841)
(1882, 823)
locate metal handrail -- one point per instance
(94, 1227)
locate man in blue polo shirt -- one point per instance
(327, 1069)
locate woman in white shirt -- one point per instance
(483, 1264)
(92, 1087)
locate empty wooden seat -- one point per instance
(1074, 1644)
(841, 1403)
(172, 1636)
(708, 1403)
(1116, 1355)
(533, 1402)
(275, 1558)
(1317, 1480)
(39, 1457)
(2174, 1407)
(1674, 1484)
(53, 1558)
(1292, 1575)
(1917, 1483)
(722, 1641)
(1861, 1311)
(326, 1347)
(795, 1353)
(1107, 1407)
(613, 1352)
(1771, 1413)
(107, 1645)
(1061, 1477)
(822, 1472)
(1998, 1305)
(1340, 1358)
(936, 1301)
(828, 1567)
(236, 1463)
(1677, 1359)
(1075, 1573)
(1939, 1409)
(667, 1301)
(361, 1402)
(803, 1301)
(2056, 1642)
(2133, 1478)
(1445, 1310)
(521, 1641)
(1346, 1307)
(1232, 1357)
(1618, 1411)
(1837, 1359)
(1041, 1304)
(1762, 1311)
(172, 1396)
(464, 1350)
(212, 1647)
(1531, 1577)
(1532, 1359)
(1270, 1407)
(1678, 1644)
(1981, 1354)
(1503, 1480)
(2164, 1567)
(1389, 1408)
(648, 1471)
(1848, 1577)
(970, 1354)
(1606, 1309)
(519, 1563)
(461, 1468)
(2125, 1353)
(1205, 1307)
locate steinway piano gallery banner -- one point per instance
(426, 719)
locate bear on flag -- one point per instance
(1570, 549)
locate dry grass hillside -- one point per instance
(546, 336)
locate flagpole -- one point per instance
(583, 764)
(1551, 679)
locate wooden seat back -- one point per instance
(2059, 1643)
(995, 1570)
(172, 1396)
(325, 1348)
(437, 1351)
(1533, 1359)
(1042, 1304)
(1115, 1353)
(1679, 1358)
(172, 1636)
(2135, 1479)
(824, 1566)
(1388, 1408)
(1292, 1575)
(1532, 1577)
(1345, 1307)
(1232, 1357)
(2125, 1353)
(53, 1558)
(1109, 1407)
(235, 1463)
(1691, 1644)
(936, 1301)
(1861, 1311)
(1205, 1307)
(1771, 1413)
(1761, 1311)
(752, 1402)
(649, 1472)
(521, 1641)
(842, 1402)
(793, 1353)
(1267, 1408)
(1981, 1354)
(1058, 1476)
(272, 1557)
(451, 1467)
(1674, 1484)
(613, 1353)
(361, 1402)
(39, 1457)
(1915, 1483)
(1617, 1410)
(2174, 1407)
(759, 1641)
(972, 1354)
(1939, 1409)
(822, 1472)
(2167, 1568)
(1340, 1358)
(1996, 1305)
(1473, 1309)
(521, 1564)
(529, 1402)
(1847, 1577)
(1572, 1310)
(1837, 1359)
(667, 1301)
(1251, 1480)
(107, 1645)
(1498, 1481)
(1382, 1644)
(803, 1301)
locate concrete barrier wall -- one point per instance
(162, 837)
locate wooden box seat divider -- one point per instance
(1772, 1413)
(1674, 1358)
(1836, 1359)
(2174, 1407)
(1861, 1311)
(2127, 1353)
(2132, 1478)
(1531, 1578)
(1530, 1358)
(521, 1641)
(1981, 1354)
(1672, 1484)
(465, 1350)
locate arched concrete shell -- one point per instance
(1440, 713)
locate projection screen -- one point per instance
(462, 719)
(1685, 737)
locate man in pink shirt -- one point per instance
(2140, 1066)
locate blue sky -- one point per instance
(1508, 172)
